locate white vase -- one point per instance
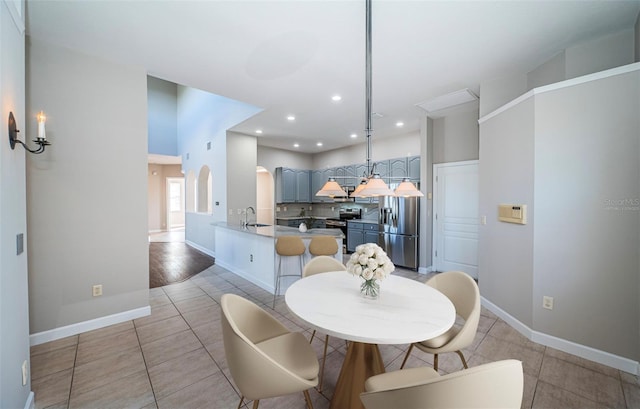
(302, 227)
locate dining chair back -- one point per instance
(265, 358)
(494, 385)
(322, 264)
(463, 292)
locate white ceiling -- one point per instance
(290, 57)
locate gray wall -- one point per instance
(14, 299)
(587, 213)
(271, 158)
(202, 118)
(87, 217)
(506, 175)
(162, 116)
(609, 51)
(572, 155)
(381, 149)
(637, 39)
(455, 137)
(241, 174)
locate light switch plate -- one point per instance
(19, 243)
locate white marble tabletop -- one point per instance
(406, 311)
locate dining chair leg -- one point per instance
(307, 398)
(313, 334)
(256, 403)
(241, 400)
(406, 356)
(324, 359)
(435, 362)
(464, 362)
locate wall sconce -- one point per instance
(41, 140)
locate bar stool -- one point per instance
(287, 246)
(323, 246)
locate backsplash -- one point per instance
(369, 211)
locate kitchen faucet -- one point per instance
(246, 215)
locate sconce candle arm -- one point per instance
(13, 138)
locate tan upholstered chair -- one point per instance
(323, 246)
(287, 246)
(317, 265)
(491, 386)
(264, 357)
(463, 292)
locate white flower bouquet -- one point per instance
(372, 264)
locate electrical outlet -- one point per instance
(239, 211)
(277, 208)
(230, 212)
(547, 302)
(251, 258)
(285, 208)
(97, 290)
(483, 220)
(366, 209)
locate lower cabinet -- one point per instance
(360, 233)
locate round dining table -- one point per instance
(406, 311)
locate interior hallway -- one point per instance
(174, 358)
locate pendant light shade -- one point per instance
(375, 187)
(331, 189)
(407, 189)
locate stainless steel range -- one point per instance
(341, 221)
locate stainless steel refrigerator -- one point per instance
(398, 222)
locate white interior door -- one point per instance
(455, 217)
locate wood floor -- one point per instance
(173, 262)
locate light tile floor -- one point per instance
(174, 358)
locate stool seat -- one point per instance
(323, 246)
(287, 246)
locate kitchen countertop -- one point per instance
(304, 217)
(363, 221)
(276, 231)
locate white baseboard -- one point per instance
(31, 401)
(570, 347)
(198, 247)
(80, 327)
(425, 270)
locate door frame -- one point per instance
(434, 212)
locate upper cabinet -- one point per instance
(300, 186)
(293, 185)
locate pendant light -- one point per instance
(331, 189)
(372, 184)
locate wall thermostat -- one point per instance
(512, 213)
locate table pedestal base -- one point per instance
(361, 362)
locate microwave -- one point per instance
(347, 198)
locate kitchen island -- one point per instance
(250, 251)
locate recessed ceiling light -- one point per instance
(336, 98)
(399, 124)
(296, 145)
(258, 131)
(291, 118)
(319, 144)
(353, 135)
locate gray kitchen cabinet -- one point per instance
(292, 186)
(398, 170)
(318, 179)
(414, 168)
(355, 235)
